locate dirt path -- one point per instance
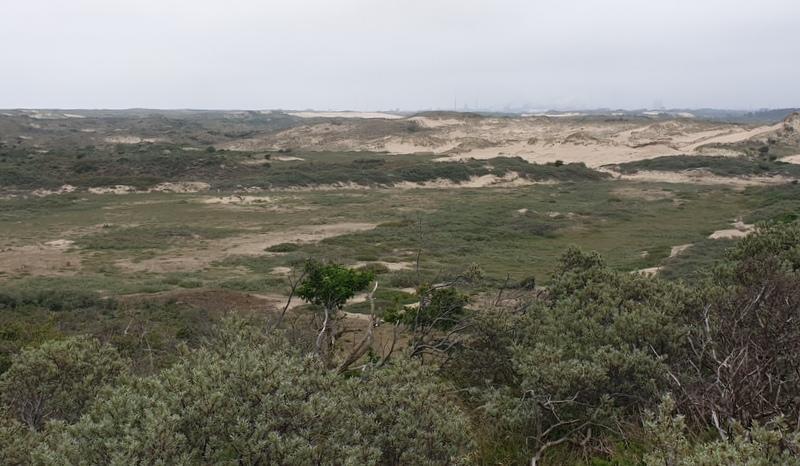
(736, 136)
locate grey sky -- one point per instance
(407, 54)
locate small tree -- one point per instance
(330, 286)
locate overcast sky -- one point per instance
(406, 54)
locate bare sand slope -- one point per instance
(734, 136)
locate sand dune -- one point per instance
(593, 141)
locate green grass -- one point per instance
(519, 232)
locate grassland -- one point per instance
(518, 231)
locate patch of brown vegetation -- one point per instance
(642, 193)
(52, 258)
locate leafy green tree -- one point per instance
(58, 379)
(330, 286)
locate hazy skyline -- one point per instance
(413, 54)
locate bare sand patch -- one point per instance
(677, 250)
(129, 139)
(116, 189)
(392, 266)
(245, 245)
(60, 243)
(649, 272)
(180, 187)
(734, 136)
(274, 158)
(64, 189)
(255, 162)
(509, 179)
(739, 230)
(239, 200)
(698, 177)
(791, 159)
(653, 271)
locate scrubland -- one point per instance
(440, 288)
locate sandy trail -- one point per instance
(245, 245)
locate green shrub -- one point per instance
(246, 399)
(771, 444)
(58, 379)
(283, 247)
(375, 268)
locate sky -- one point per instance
(399, 54)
